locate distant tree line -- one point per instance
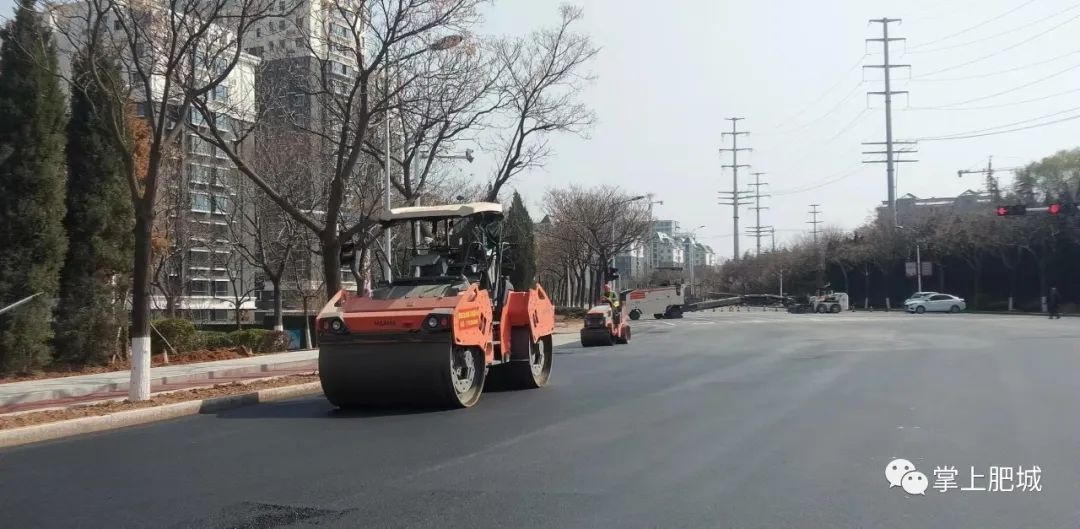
(995, 263)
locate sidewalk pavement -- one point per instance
(67, 391)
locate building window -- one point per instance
(199, 288)
(220, 93)
(281, 25)
(200, 202)
(270, 45)
(281, 5)
(200, 146)
(299, 42)
(197, 119)
(221, 204)
(221, 288)
(199, 174)
(117, 25)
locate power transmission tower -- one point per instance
(736, 195)
(814, 223)
(758, 231)
(890, 153)
(814, 227)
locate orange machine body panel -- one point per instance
(532, 309)
(468, 316)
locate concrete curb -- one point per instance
(85, 425)
(209, 376)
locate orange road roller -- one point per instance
(434, 336)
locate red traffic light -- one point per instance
(1054, 209)
(1018, 209)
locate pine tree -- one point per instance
(519, 234)
(32, 239)
(94, 282)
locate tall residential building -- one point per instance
(309, 53)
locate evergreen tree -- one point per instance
(94, 282)
(519, 234)
(32, 239)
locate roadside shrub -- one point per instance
(275, 342)
(215, 340)
(180, 333)
(249, 338)
(570, 312)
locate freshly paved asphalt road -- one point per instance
(760, 420)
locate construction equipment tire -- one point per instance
(835, 309)
(635, 314)
(533, 371)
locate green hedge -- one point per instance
(180, 333)
(260, 340)
(215, 339)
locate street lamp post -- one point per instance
(444, 43)
(613, 209)
(918, 263)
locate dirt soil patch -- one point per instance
(19, 420)
(201, 355)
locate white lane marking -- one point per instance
(669, 324)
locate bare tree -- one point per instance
(541, 83)
(373, 37)
(170, 53)
(604, 219)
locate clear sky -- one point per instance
(670, 72)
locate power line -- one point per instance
(918, 49)
(924, 79)
(979, 25)
(994, 130)
(1006, 131)
(1003, 50)
(848, 173)
(1016, 88)
(808, 106)
(1001, 105)
(854, 90)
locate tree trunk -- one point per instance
(139, 388)
(307, 328)
(331, 259)
(279, 324)
(236, 312)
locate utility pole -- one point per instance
(814, 212)
(889, 152)
(736, 197)
(992, 188)
(758, 231)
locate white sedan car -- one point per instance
(936, 303)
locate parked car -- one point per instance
(935, 303)
(919, 295)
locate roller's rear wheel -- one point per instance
(635, 314)
(535, 372)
